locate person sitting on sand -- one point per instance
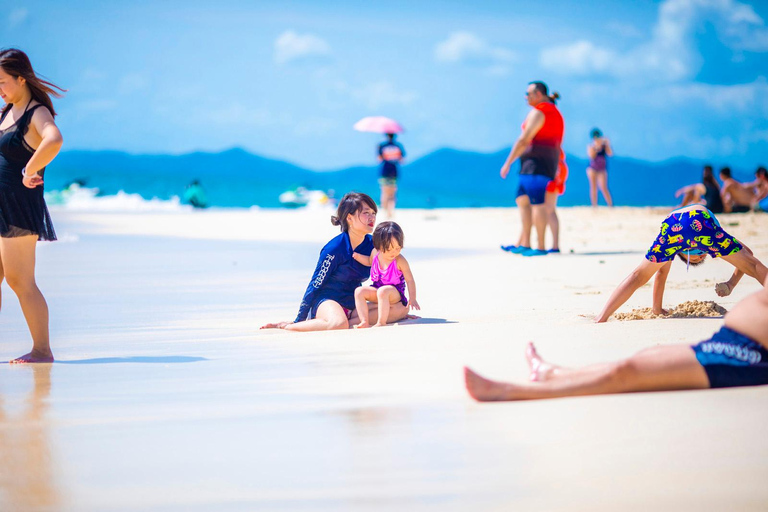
(707, 192)
(390, 274)
(760, 185)
(736, 355)
(329, 301)
(737, 197)
(690, 233)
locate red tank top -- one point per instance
(551, 134)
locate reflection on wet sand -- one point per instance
(26, 472)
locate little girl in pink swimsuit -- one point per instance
(390, 274)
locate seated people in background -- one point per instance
(760, 186)
(707, 192)
(737, 197)
(690, 233)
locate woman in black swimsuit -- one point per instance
(707, 192)
(29, 140)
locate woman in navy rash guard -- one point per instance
(329, 301)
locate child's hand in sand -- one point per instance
(723, 289)
(278, 325)
(414, 305)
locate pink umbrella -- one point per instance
(378, 124)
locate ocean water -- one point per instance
(443, 179)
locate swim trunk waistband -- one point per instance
(732, 359)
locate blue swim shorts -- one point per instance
(534, 186)
(732, 359)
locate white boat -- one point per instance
(301, 197)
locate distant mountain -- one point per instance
(444, 178)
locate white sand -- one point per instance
(166, 395)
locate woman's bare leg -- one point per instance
(18, 255)
(602, 183)
(526, 221)
(540, 221)
(665, 368)
(330, 316)
(592, 186)
(554, 223)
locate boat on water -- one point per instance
(302, 196)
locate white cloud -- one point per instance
(743, 98)
(17, 17)
(290, 46)
(372, 95)
(466, 47)
(669, 54)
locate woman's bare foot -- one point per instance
(34, 357)
(540, 370)
(278, 325)
(362, 325)
(485, 390)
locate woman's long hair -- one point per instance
(16, 63)
(708, 177)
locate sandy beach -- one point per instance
(166, 395)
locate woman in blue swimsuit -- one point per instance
(736, 355)
(329, 301)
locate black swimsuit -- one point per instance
(22, 210)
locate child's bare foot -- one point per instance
(362, 325)
(485, 390)
(34, 357)
(379, 324)
(540, 370)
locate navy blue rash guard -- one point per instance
(336, 276)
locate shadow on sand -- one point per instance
(425, 321)
(603, 253)
(135, 359)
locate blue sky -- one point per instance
(288, 79)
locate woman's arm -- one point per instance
(627, 288)
(45, 129)
(405, 268)
(658, 288)
(533, 123)
(607, 146)
(591, 151)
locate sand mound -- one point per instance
(688, 309)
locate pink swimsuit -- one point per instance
(391, 276)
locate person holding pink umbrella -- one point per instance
(391, 155)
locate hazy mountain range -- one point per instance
(444, 178)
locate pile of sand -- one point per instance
(688, 309)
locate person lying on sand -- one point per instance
(736, 355)
(737, 197)
(690, 233)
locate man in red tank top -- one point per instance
(538, 149)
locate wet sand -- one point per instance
(166, 396)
